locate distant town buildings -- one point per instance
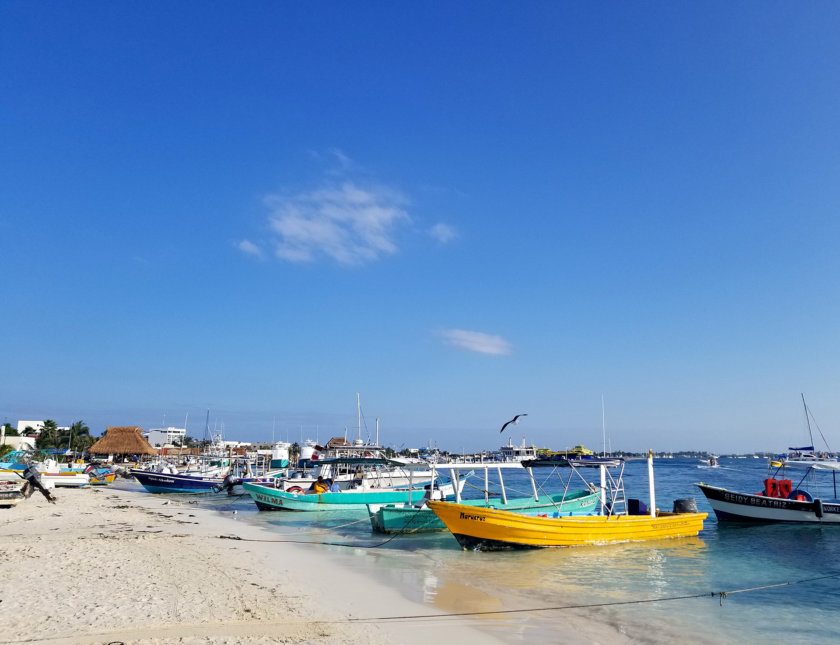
(160, 437)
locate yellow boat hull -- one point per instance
(489, 529)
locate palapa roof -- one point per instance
(123, 440)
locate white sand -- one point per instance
(105, 565)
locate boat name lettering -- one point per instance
(752, 500)
(467, 516)
(270, 500)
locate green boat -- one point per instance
(416, 518)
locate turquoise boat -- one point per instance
(269, 498)
(409, 518)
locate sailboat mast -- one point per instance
(807, 420)
(359, 409)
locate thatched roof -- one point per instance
(126, 440)
(338, 442)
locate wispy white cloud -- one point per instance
(476, 341)
(346, 222)
(249, 248)
(443, 233)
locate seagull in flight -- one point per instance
(513, 420)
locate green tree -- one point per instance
(49, 435)
(10, 431)
(77, 437)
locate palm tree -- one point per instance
(80, 439)
(48, 438)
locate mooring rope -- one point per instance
(722, 595)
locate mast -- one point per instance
(808, 421)
(359, 409)
(603, 429)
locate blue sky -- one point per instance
(462, 211)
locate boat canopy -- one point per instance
(803, 448)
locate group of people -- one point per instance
(322, 485)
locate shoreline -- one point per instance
(109, 564)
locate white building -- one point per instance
(37, 426)
(167, 436)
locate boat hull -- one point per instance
(412, 519)
(730, 506)
(65, 479)
(188, 484)
(493, 529)
(268, 498)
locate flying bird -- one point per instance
(513, 420)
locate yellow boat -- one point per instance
(486, 529)
(489, 529)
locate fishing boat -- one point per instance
(781, 500)
(620, 520)
(49, 470)
(268, 497)
(417, 517)
(211, 474)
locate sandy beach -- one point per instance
(105, 565)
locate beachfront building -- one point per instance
(159, 437)
(30, 428)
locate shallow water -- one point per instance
(432, 569)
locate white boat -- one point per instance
(49, 470)
(517, 453)
(780, 501)
(804, 456)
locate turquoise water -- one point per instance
(433, 570)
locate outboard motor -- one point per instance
(32, 476)
(685, 505)
(229, 482)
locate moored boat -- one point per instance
(417, 517)
(492, 529)
(781, 500)
(268, 497)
